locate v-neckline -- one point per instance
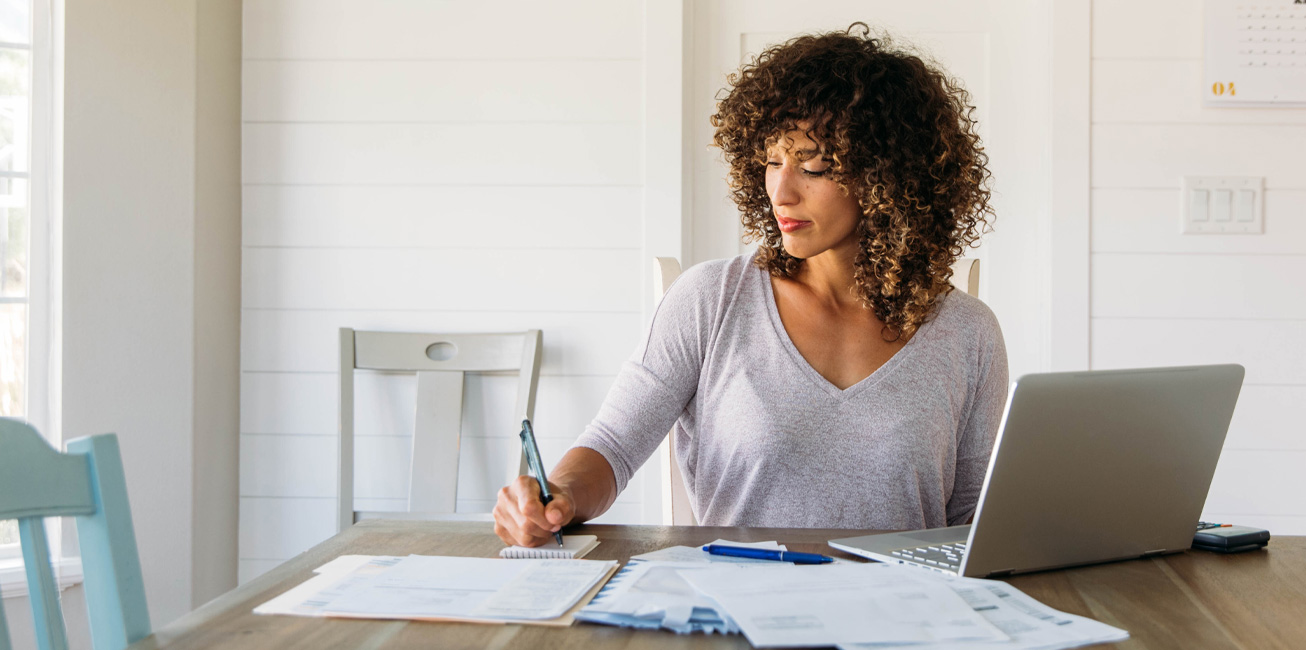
(806, 367)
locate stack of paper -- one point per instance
(445, 588)
(650, 591)
(854, 606)
(1031, 625)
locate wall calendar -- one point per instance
(1255, 53)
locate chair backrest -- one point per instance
(676, 509)
(440, 362)
(965, 275)
(87, 483)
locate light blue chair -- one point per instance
(87, 483)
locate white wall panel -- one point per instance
(250, 569)
(476, 279)
(1258, 482)
(442, 91)
(441, 216)
(1272, 350)
(308, 341)
(444, 154)
(281, 528)
(1198, 286)
(1147, 221)
(1133, 91)
(1268, 418)
(287, 466)
(1160, 155)
(425, 29)
(1143, 30)
(305, 403)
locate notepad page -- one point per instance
(573, 547)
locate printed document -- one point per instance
(1030, 624)
(794, 606)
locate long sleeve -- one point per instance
(659, 379)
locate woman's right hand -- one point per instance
(521, 520)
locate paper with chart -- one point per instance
(1030, 624)
(795, 606)
(446, 588)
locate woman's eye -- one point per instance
(773, 163)
(813, 172)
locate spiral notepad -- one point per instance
(573, 546)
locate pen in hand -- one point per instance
(536, 466)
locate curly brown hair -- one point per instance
(899, 134)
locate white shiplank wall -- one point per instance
(429, 166)
(1162, 298)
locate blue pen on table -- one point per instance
(767, 554)
(536, 466)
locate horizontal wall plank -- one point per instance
(1198, 286)
(441, 216)
(1268, 418)
(1160, 155)
(1168, 91)
(443, 154)
(1148, 221)
(464, 280)
(1157, 28)
(426, 29)
(279, 529)
(441, 91)
(1259, 482)
(308, 340)
(1272, 351)
(306, 403)
(249, 569)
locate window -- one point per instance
(26, 92)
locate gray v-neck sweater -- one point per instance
(764, 440)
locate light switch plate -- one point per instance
(1233, 215)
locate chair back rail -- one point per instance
(87, 483)
(440, 362)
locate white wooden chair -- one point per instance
(675, 498)
(440, 362)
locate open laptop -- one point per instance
(1088, 467)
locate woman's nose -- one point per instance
(784, 191)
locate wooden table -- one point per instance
(1190, 600)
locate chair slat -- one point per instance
(345, 453)
(407, 351)
(36, 480)
(114, 586)
(433, 481)
(43, 592)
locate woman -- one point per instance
(832, 379)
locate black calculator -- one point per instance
(1227, 538)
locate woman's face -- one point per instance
(814, 215)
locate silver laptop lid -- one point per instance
(1100, 465)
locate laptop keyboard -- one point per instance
(944, 556)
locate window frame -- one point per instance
(42, 359)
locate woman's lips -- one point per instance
(790, 225)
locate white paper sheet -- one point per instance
(697, 554)
(1030, 624)
(432, 587)
(796, 606)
